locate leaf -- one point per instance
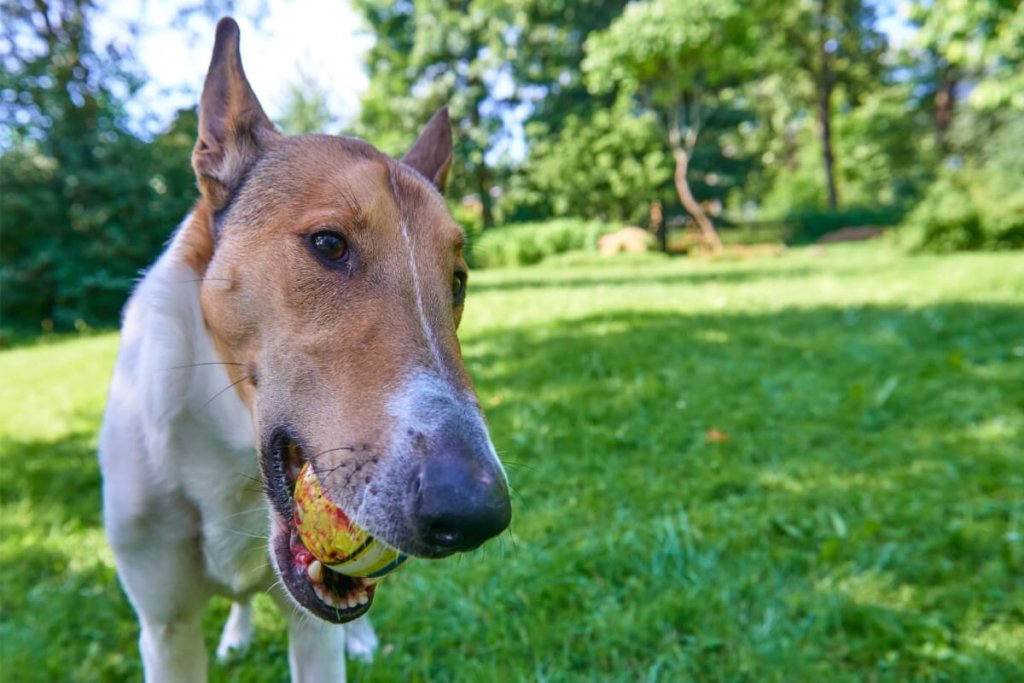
(715, 435)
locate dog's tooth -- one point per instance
(315, 570)
(363, 598)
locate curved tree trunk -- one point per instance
(707, 229)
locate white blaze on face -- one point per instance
(421, 311)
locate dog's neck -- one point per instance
(177, 349)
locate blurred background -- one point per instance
(746, 316)
(700, 122)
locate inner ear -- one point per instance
(233, 128)
(431, 154)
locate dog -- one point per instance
(305, 311)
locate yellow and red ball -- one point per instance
(333, 538)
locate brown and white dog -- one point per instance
(305, 311)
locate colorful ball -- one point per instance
(333, 538)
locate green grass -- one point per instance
(863, 522)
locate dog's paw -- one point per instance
(361, 640)
(237, 631)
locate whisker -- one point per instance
(197, 365)
(230, 386)
(522, 465)
(351, 449)
(239, 514)
(511, 540)
(239, 532)
(520, 498)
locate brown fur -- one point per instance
(315, 332)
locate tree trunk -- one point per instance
(945, 100)
(707, 229)
(658, 227)
(825, 87)
(483, 184)
(481, 173)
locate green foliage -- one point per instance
(663, 48)
(808, 225)
(77, 235)
(306, 110)
(528, 243)
(978, 204)
(981, 41)
(610, 165)
(547, 59)
(429, 55)
(85, 203)
(862, 522)
(881, 159)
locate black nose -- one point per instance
(460, 497)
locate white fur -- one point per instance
(427, 331)
(183, 505)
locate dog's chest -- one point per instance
(221, 477)
(234, 518)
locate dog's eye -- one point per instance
(458, 287)
(330, 245)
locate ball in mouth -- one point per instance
(333, 538)
(328, 564)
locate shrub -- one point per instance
(978, 203)
(529, 243)
(808, 226)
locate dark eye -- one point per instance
(458, 287)
(330, 245)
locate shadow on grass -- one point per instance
(58, 477)
(56, 590)
(56, 597)
(544, 279)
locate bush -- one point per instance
(529, 243)
(978, 203)
(77, 230)
(962, 213)
(808, 226)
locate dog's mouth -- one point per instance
(334, 597)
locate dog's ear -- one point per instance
(232, 125)
(431, 154)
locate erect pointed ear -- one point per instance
(232, 126)
(431, 154)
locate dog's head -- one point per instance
(333, 282)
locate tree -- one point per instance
(979, 43)
(79, 218)
(306, 110)
(606, 164)
(681, 60)
(546, 61)
(822, 46)
(429, 54)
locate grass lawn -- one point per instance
(799, 468)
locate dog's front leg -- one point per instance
(316, 649)
(173, 652)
